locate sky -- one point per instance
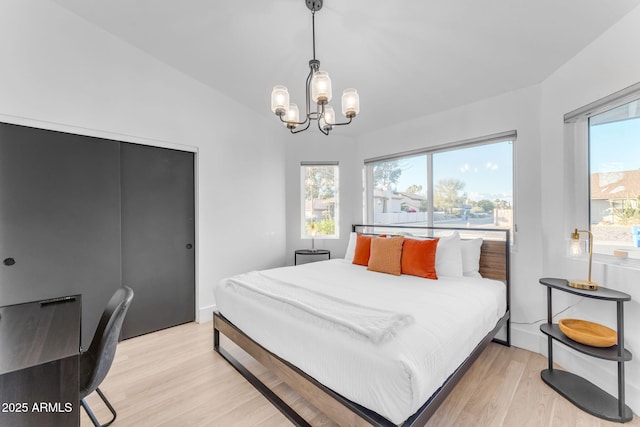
(615, 146)
(486, 171)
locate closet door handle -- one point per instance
(189, 246)
(9, 262)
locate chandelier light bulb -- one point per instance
(321, 87)
(292, 116)
(350, 103)
(328, 119)
(279, 100)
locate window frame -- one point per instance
(429, 152)
(336, 215)
(577, 134)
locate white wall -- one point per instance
(61, 72)
(314, 146)
(607, 65)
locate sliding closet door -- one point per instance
(59, 219)
(158, 253)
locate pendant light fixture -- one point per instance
(318, 93)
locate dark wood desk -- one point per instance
(39, 363)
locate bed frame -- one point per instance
(494, 264)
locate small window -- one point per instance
(614, 169)
(319, 184)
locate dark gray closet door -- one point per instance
(59, 219)
(158, 253)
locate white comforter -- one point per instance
(394, 377)
(363, 322)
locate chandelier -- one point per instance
(318, 90)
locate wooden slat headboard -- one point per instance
(492, 260)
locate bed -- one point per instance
(365, 347)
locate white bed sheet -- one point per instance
(393, 378)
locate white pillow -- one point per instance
(351, 247)
(449, 256)
(471, 257)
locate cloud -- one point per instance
(491, 166)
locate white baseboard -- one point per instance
(526, 337)
(205, 314)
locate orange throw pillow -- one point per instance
(419, 258)
(363, 249)
(386, 255)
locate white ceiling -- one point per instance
(406, 58)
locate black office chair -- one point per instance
(96, 361)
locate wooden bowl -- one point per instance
(588, 333)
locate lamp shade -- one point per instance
(350, 103)
(329, 117)
(279, 100)
(292, 116)
(321, 87)
(575, 248)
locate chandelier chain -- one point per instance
(313, 31)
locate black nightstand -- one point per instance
(582, 393)
(307, 252)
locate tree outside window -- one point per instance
(319, 200)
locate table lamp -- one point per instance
(313, 236)
(576, 250)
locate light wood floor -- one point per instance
(174, 378)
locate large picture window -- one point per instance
(614, 174)
(319, 185)
(468, 184)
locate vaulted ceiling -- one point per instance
(406, 58)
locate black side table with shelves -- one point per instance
(308, 252)
(582, 393)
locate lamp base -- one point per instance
(583, 284)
